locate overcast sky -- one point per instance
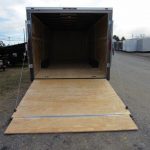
(130, 16)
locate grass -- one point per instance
(9, 81)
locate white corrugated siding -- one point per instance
(130, 45)
(140, 45)
(146, 44)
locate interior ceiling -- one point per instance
(72, 21)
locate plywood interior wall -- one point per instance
(51, 46)
(40, 43)
(97, 40)
(37, 40)
(101, 36)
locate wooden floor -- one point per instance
(80, 70)
(70, 105)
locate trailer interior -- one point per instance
(69, 45)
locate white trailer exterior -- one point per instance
(130, 45)
(143, 45)
(137, 45)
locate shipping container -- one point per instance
(69, 53)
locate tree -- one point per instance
(115, 37)
(2, 44)
(123, 38)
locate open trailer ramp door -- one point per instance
(73, 105)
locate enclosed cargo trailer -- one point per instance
(143, 45)
(130, 45)
(69, 53)
(72, 38)
(137, 45)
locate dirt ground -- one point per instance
(130, 77)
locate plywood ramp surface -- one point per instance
(70, 105)
(85, 124)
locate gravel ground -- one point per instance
(130, 77)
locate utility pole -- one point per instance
(9, 40)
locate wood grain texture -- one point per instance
(60, 97)
(37, 33)
(79, 105)
(79, 70)
(101, 43)
(86, 124)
